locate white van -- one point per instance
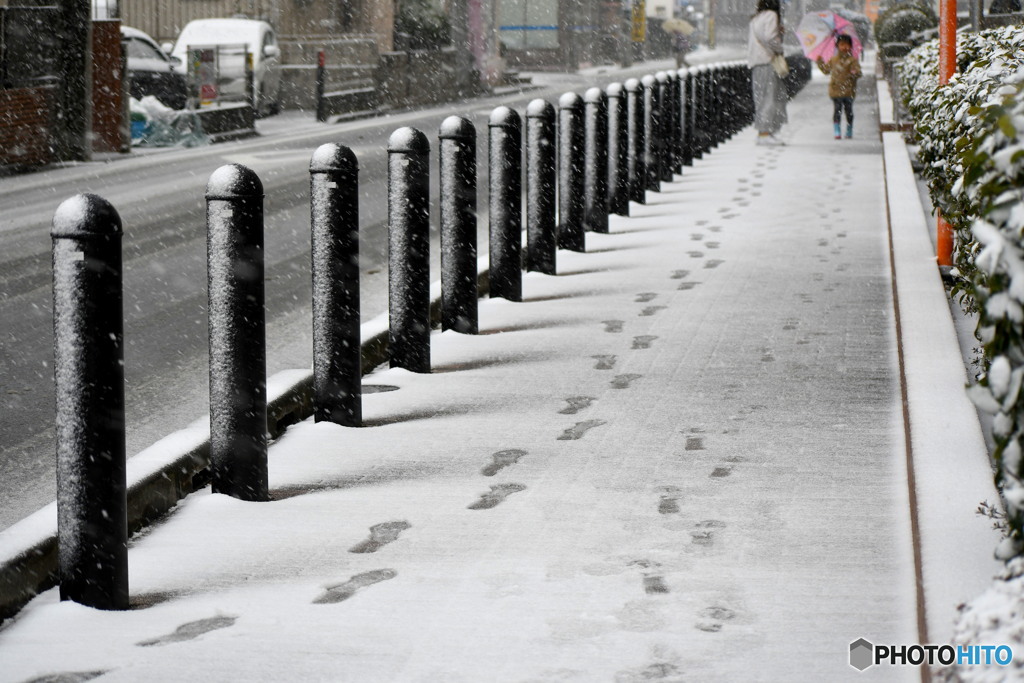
(257, 37)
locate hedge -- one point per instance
(971, 144)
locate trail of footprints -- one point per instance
(703, 536)
(704, 533)
(385, 533)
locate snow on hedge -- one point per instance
(971, 137)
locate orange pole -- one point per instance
(947, 67)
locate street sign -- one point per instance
(639, 21)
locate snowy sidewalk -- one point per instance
(682, 458)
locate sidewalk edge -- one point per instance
(947, 456)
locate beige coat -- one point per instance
(845, 70)
(764, 38)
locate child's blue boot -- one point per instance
(849, 130)
(838, 130)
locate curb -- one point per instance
(948, 463)
(171, 469)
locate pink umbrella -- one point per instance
(817, 33)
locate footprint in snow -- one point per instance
(501, 460)
(643, 341)
(380, 536)
(576, 404)
(712, 618)
(577, 431)
(669, 501)
(623, 381)
(67, 677)
(704, 532)
(190, 631)
(653, 582)
(496, 496)
(344, 591)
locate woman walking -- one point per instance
(764, 43)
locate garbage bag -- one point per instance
(155, 125)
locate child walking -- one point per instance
(842, 87)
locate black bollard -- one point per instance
(714, 106)
(334, 214)
(698, 110)
(457, 159)
(652, 168)
(636, 170)
(686, 116)
(674, 129)
(726, 100)
(238, 350)
(505, 148)
(706, 111)
(664, 133)
(595, 165)
(618, 151)
(541, 239)
(571, 207)
(88, 331)
(409, 250)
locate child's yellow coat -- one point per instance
(845, 70)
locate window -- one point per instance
(140, 49)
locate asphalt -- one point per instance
(722, 444)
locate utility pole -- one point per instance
(947, 67)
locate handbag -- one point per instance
(781, 67)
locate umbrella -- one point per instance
(677, 25)
(860, 23)
(817, 34)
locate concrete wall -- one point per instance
(407, 79)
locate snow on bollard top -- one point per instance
(502, 117)
(85, 216)
(648, 81)
(539, 109)
(593, 96)
(633, 85)
(569, 100)
(234, 181)
(615, 90)
(457, 128)
(408, 140)
(332, 157)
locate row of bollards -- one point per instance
(584, 160)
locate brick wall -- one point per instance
(25, 137)
(109, 113)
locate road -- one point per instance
(160, 197)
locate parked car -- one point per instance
(259, 40)
(151, 71)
